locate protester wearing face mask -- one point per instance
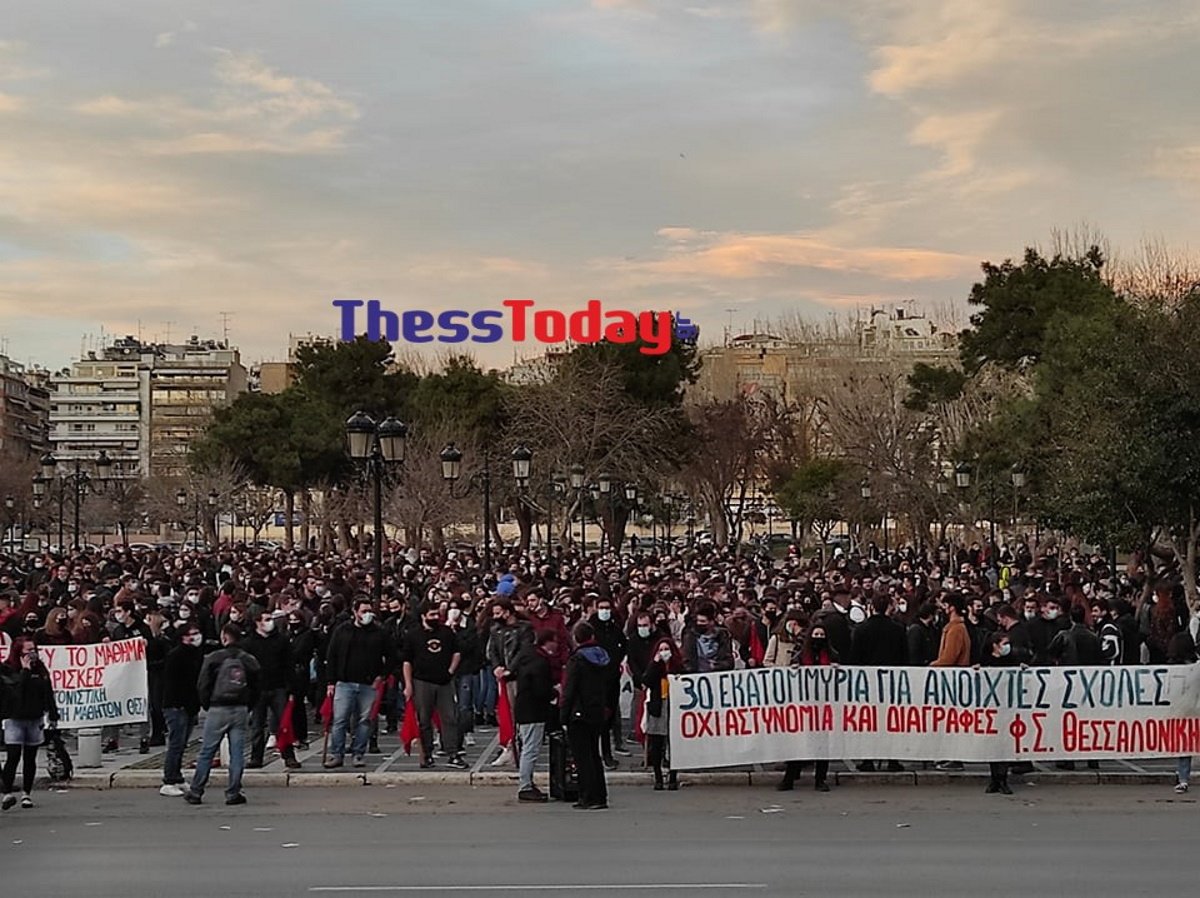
(431, 660)
(999, 651)
(1042, 630)
(611, 638)
(28, 699)
(813, 650)
(359, 659)
(271, 648)
(181, 705)
(707, 646)
(787, 636)
(665, 660)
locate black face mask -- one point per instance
(432, 622)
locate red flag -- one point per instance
(286, 737)
(504, 716)
(639, 702)
(410, 730)
(379, 690)
(327, 712)
(756, 647)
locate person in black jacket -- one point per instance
(611, 638)
(273, 652)
(999, 651)
(303, 642)
(27, 698)
(584, 706)
(228, 713)
(181, 704)
(879, 641)
(359, 659)
(922, 638)
(533, 706)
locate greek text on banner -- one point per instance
(766, 715)
(98, 685)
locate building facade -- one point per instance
(24, 410)
(142, 403)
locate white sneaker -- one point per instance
(469, 740)
(1181, 788)
(270, 742)
(170, 790)
(506, 758)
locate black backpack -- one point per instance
(59, 766)
(232, 686)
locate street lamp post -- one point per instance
(79, 481)
(577, 477)
(604, 482)
(376, 445)
(522, 465)
(864, 490)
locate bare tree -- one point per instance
(582, 416)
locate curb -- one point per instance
(143, 779)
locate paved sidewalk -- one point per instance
(127, 768)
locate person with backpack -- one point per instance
(229, 687)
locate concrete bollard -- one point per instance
(89, 748)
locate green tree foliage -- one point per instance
(931, 385)
(813, 494)
(1022, 303)
(462, 397)
(652, 380)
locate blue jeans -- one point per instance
(485, 698)
(222, 721)
(468, 692)
(351, 702)
(1183, 770)
(531, 746)
(179, 730)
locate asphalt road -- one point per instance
(452, 840)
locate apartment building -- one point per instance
(24, 410)
(142, 403)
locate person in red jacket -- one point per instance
(542, 618)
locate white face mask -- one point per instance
(902, 607)
(453, 615)
(604, 614)
(367, 617)
(664, 655)
(1030, 615)
(267, 626)
(1005, 649)
(195, 639)
(185, 613)
(644, 632)
(1051, 614)
(72, 588)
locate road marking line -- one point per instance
(1134, 767)
(590, 887)
(487, 754)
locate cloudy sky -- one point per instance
(162, 161)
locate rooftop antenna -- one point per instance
(225, 316)
(729, 327)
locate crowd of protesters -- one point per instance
(539, 640)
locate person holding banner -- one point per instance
(27, 701)
(814, 649)
(998, 651)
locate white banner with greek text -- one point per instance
(767, 715)
(99, 685)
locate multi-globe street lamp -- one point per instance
(378, 446)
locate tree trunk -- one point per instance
(289, 513)
(305, 515)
